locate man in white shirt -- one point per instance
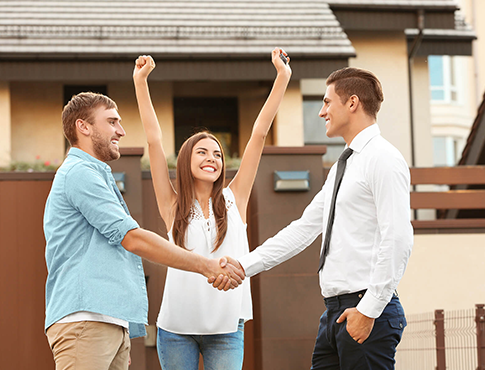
(368, 244)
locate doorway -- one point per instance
(218, 115)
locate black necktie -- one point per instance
(342, 162)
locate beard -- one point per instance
(102, 148)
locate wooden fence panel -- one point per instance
(22, 275)
(470, 175)
(460, 199)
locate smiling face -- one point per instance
(335, 112)
(206, 160)
(106, 134)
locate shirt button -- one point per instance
(139, 267)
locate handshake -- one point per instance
(225, 273)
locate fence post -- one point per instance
(439, 322)
(480, 320)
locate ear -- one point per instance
(83, 127)
(354, 103)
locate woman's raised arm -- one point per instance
(243, 182)
(164, 190)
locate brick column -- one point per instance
(287, 300)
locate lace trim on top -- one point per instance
(196, 212)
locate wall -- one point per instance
(123, 93)
(5, 124)
(473, 9)
(289, 119)
(385, 54)
(36, 127)
(36, 121)
(423, 142)
(445, 271)
(479, 46)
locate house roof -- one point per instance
(473, 154)
(456, 41)
(445, 33)
(185, 28)
(474, 151)
(396, 4)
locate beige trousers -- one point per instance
(89, 345)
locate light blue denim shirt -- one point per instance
(85, 220)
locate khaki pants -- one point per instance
(89, 345)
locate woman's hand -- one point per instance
(144, 64)
(281, 67)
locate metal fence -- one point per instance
(454, 340)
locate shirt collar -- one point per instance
(76, 152)
(363, 137)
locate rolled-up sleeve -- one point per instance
(90, 194)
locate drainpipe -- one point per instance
(478, 93)
(411, 55)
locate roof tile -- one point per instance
(201, 27)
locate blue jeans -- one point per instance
(220, 351)
(336, 350)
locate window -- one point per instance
(445, 151)
(315, 132)
(442, 78)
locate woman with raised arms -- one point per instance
(205, 218)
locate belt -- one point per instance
(345, 297)
(349, 297)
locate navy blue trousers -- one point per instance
(336, 350)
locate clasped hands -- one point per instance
(225, 273)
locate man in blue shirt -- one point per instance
(95, 291)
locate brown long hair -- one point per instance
(355, 81)
(186, 193)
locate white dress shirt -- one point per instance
(372, 236)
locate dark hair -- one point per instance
(186, 193)
(355, 81)
(81, 106)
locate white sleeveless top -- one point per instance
(190, 305)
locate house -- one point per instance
(213, 57)
(457, 84)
